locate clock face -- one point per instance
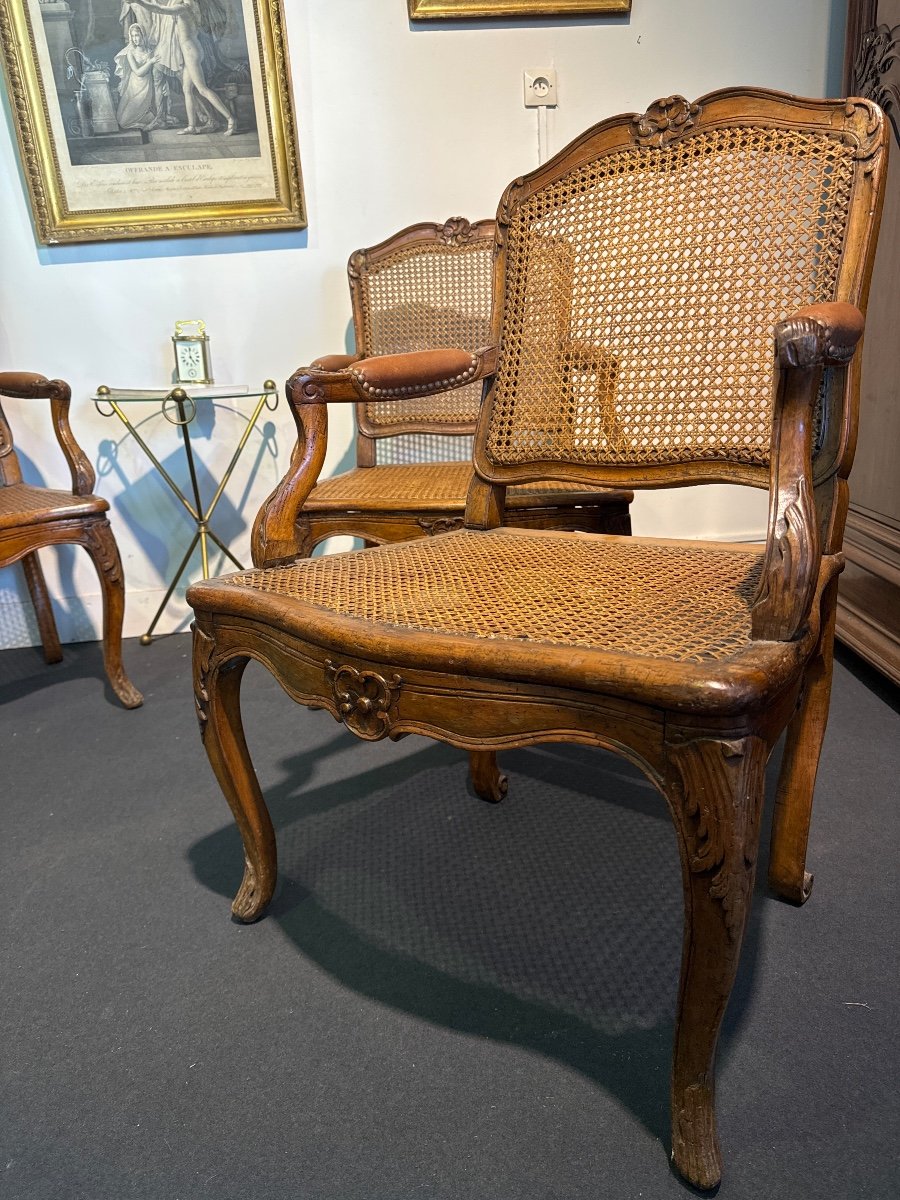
(190, 362)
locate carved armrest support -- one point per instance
(274, 537)
(390, 376)
(816, 336)
(26, 385)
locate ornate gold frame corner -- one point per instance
(58, 221)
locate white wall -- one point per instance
(397, 124)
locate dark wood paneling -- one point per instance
(869, 596)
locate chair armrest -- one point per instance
(339, 378)
(25, 385)
(391, 376)
(816, 336)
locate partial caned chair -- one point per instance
(677, 299)
(33, 517)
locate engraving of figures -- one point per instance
(185, 17)
(157, 69)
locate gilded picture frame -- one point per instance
(152, 118)
(458, 10)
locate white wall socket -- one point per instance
(540, 88)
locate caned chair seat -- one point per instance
(436, 486)
(23, 504)
(598, 607)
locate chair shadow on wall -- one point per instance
(551, 922)
(147, 505)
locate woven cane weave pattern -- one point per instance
(408, 483)
(692, 603)
(21, 499)
(427, 297)
(424, 447)
(642, 292)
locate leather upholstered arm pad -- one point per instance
(391, 376)
(819, 333)
(26, 385)
(334, 362)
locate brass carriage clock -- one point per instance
(192, 358)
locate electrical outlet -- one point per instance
(540, 88)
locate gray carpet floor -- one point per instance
(448, 999)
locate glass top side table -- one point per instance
(179, 407)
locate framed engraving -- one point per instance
(450, 10)
(152, 118)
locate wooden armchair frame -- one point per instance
(688, 658)
(417, 289)
(33, 517)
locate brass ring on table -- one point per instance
(179, 396)
(272, 394)
(101, 397)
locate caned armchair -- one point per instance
(678, 296)
(426, 287)
(33, 517)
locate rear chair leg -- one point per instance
(487, 780)
(715, 791)
(788, 875)
(217, 689)
(43, 610)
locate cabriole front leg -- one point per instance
(715, 790)
(217, 690)
(100, 544)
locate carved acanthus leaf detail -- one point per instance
(875, 58)
(456, 231)
(357, 264)
(664, 121)
(364, 699)
(440, 524)
(98, 539)
(719, 819)
(203, 649)
(508, 202)
(788, 578)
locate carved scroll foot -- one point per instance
(788, 875)
(487, 780)
(43, 610)
(100, 544)
(217, 690)
(715, 790)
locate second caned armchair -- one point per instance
(425, 287)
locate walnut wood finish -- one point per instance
(869, 595)
(378, 512)
(34, 517)
(690, 659)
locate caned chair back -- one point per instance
(424, 288)
(639, 278)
